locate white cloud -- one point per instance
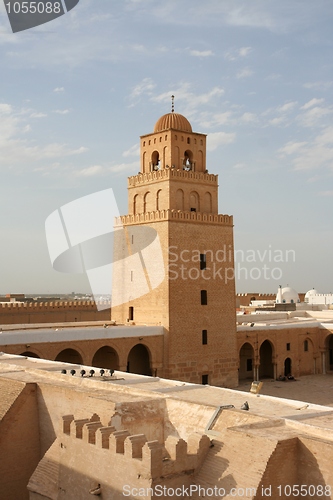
(131, 168)
(326, 193)
(62, 111)
(15, 148)
(191, 100)
(89, 171)
(313, 102)
(59, 89)
(292, 147)
(217, 139)
(38, 115)
(249, 118)
(201, 53)
(146, 86)
(244, 73)
(133, 151)
(288, 106)
(234, 54)
(320, 85)
(314, 154)
(312, 116)
(208, 120)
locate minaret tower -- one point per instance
(175, 197)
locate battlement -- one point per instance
(75, 304)
(169, 173)
(12, 313)
(151, 459)
(158, 215)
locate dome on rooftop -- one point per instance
(310, 293)
(173, 120)
(287, 295)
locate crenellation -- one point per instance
(133, 445)
(159, 215)
(103, 436)
(89, 431)
(177, 451)
(117, 440)
(152, 458)
(76, 427)
(66, 423)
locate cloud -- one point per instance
(146, 86)
(59, 89)
(234, 54)
(201, 53)
(62, 111)
(133, 151)
(244, 73)
(312, 116)
(131, 168)
(217, 139)
(192, 101)
(313, 102)
(320, 85)
(314, 154)
(292, 147)
(326, 193)
(249, 118)
(288, 106)
(90, 171)
(38, 115)
(15, 148)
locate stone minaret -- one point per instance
(174, 258)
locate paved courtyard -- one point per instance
(317, 389)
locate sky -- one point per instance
(256, 76)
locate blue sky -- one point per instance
(255, 75)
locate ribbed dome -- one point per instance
(173, 120)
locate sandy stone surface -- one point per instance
(317, 389)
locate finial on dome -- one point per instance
(172, 104)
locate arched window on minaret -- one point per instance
(155, 160)
(144, 158)
(180, 199)
(208, 203)
(158, 199)
(146, 202)
(135, 201)
(194, 202)
(188, 160)
(200, 162)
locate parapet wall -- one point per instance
(166, 173)
(179, 215)
(52, 312)
(110, 459)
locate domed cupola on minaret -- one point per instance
(173, 144)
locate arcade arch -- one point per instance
(138, 360)
(246, 361)
(266, 368)
(70, 356)
(106, 357)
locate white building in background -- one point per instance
(313, 297)
(287, 295)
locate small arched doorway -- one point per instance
(246, 365)
(287, 367)
(138, 360)
(69, 356)
(30, 354)
(330, 352)
(106, 357)
(266, 369)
